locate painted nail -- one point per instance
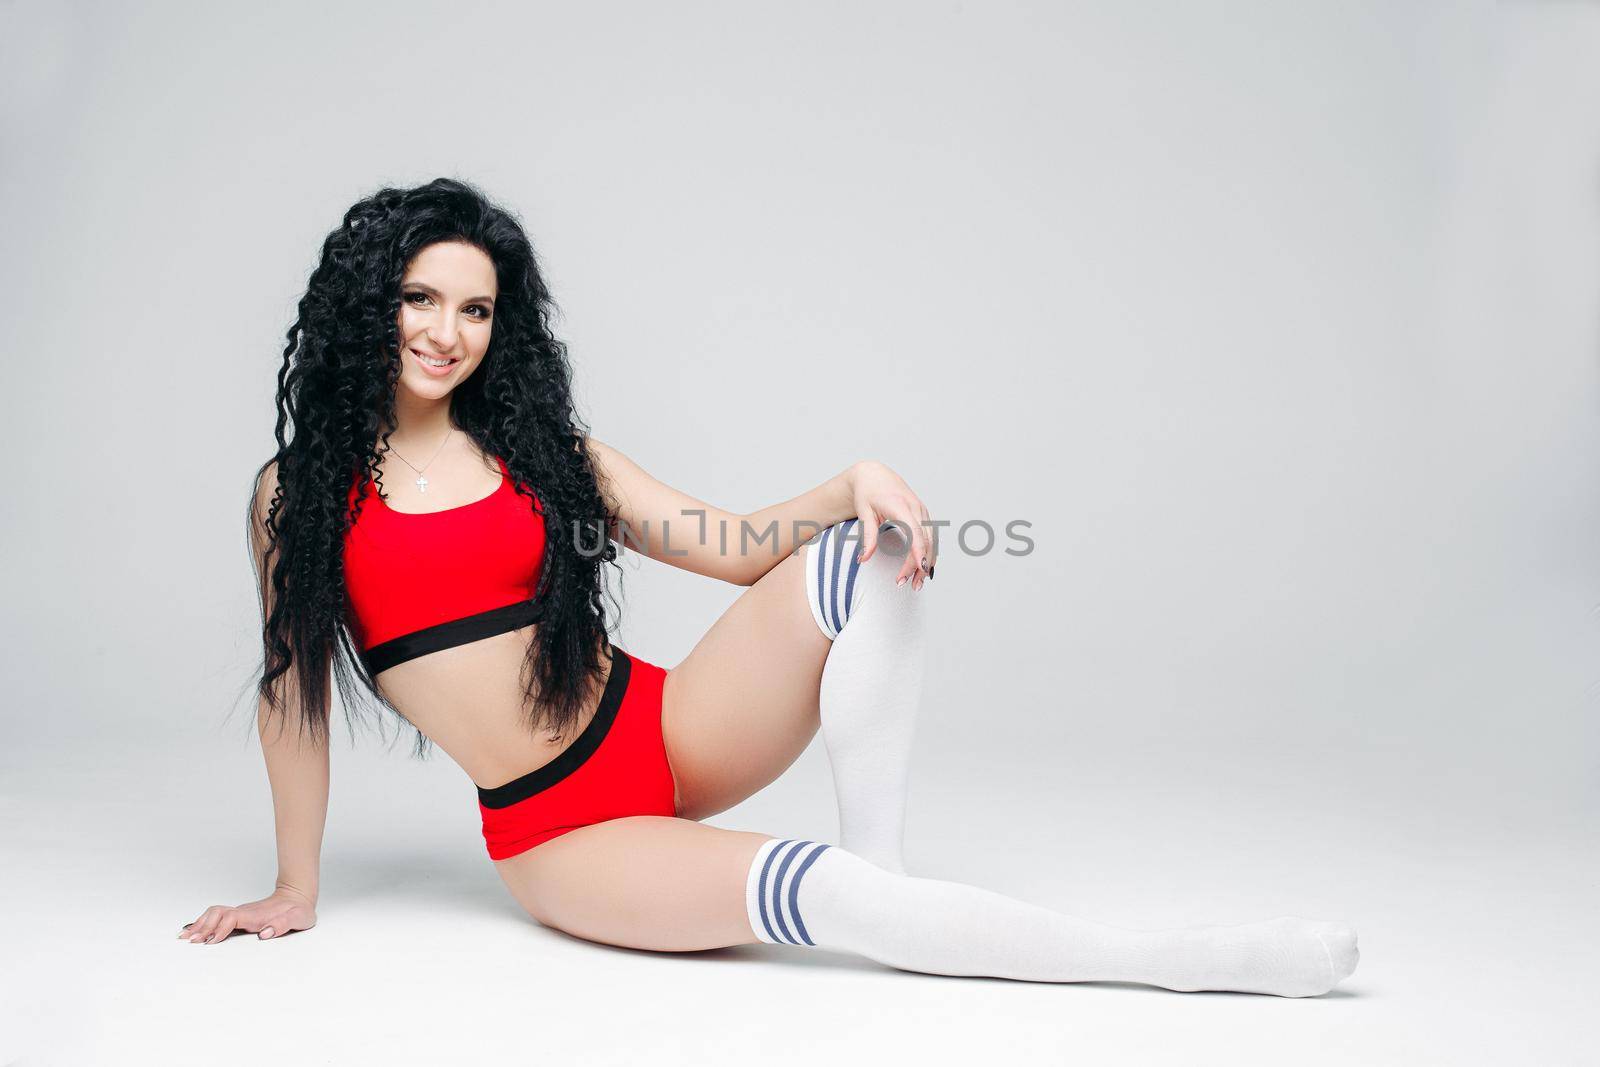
(901, 582)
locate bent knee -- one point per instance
(838, 584)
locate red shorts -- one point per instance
(617, 767)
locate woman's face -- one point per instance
(446, 316)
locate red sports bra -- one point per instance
(418, 583)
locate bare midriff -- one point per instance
(468, 700)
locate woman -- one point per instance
(431, 534)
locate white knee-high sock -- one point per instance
(871, 683)
(812, 894)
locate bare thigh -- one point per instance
(742, 705)
(645, 881)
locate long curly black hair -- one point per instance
(336, 396)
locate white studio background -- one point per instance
(1278, 322)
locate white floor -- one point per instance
(1477, 923)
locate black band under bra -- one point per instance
(449, 634)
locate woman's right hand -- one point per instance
(284, 911)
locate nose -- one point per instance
(442, 332)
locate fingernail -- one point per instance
(901, 582)
(930, 574)
(266, 933)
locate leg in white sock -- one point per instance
(807, 893)
(871, 683)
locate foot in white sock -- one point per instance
(808, 893)
(1287, 957)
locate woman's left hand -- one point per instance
(880, 496)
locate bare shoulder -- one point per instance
(266, 486)
(613, 462)
(608, 465)
(622, 480)
(262, 492)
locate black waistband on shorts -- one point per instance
(575, 754)
(460, 631)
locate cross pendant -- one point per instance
(422, 484)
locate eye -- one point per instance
(416, 296)
(482, 311)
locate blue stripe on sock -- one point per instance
(777, 891)
(833, 574)
(762, 889)
(794, 895)
(850, 582)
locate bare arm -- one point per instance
(675, 528)
(298, 772)
(297, 765)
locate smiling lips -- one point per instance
(434, 365)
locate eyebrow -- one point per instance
(431, 291)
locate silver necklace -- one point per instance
(422, 483)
